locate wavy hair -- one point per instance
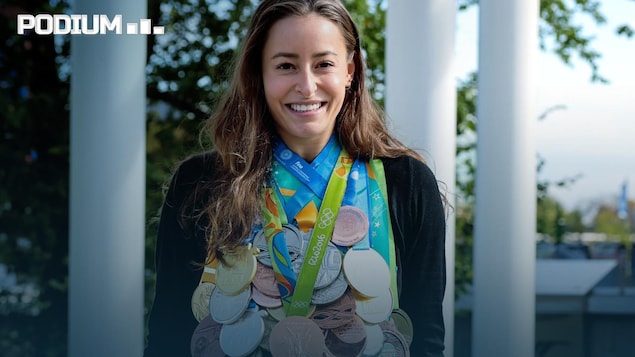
(243, 132)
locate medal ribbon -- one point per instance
(296, 293)
(351, 185)
(382, 238)
(277, 244)
(320, 237)
(301, 185)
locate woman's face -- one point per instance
(305, 69)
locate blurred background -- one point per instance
(584, 214)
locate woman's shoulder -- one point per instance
(407, 168)
(199, 164)
(196, 170)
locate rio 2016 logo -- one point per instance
(326, 219)
(62, 24)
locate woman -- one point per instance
(309, 229)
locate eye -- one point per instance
(325, 64)
(284, 66)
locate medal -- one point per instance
(226, 309)
(329, 268)
(351, 226)
(336, 314)
(348, 340)
(200, 300)
(243, 336)
(374, 340)
(265, 300)
(297, 336)
(366, 271)
(375, 309)
(403, 324)
(205, 339)
(293, 238)
(395, 344)
(330, 293)
(237, 272)
(265, 281)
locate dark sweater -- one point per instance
(418, 223)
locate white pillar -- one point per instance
(421, 102)
(503, 318)
(107, 186)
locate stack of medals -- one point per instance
(352, 312)
(241, 314)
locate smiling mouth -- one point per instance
(301, 108)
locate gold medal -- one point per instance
(403, 324)
(200, 300)
(237, 272)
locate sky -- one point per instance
(594, 135)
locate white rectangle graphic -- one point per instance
(131, 28)
(145, 26)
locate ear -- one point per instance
(351, 72)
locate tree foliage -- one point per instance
(33, 186)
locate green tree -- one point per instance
(33, 185)
(607, 221)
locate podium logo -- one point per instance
(62, 24)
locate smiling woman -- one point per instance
(306, 70)
(309, 229)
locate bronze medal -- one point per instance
(265, 281)
(348, 340)
(265, 300)
(206, 339)
(351, 226)
(296, 336)
(335, 314)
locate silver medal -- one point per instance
(331, 292)
(243, 336)
(293, 237)
(226, 309)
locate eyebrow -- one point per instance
(294, 55)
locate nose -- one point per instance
(306, 84)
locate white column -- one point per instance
(107, 186)
(421, 102)
(503, 318)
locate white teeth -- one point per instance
(305, 108)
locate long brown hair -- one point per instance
(243, 133)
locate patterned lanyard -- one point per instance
(300, 185)
(381, 228)
(296, 293)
